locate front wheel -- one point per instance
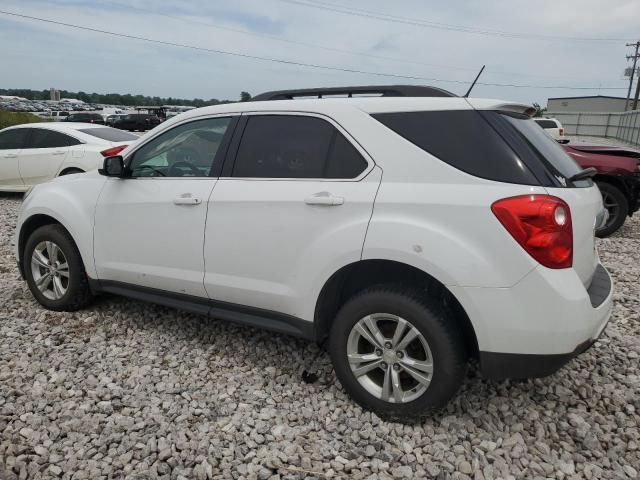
(54, 270)
(397, 352)
(616, 205)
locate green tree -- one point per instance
(245, 96)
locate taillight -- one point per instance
(541, 224)
(110, 152)
(561, 130)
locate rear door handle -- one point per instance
(187, 199)
(59, 152)
(324, 198)
(10, 155)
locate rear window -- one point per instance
(464, 140)
(546, 123)
(500, 146)
(109, 134)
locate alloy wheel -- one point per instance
(50, 270)
(390, 358)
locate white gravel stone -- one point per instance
(125, 389)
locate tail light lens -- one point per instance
(110, 152)
(561, 130)
(541, 224)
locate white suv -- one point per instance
(410, 234)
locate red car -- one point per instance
(618, 178)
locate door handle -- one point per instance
(59, 152)
(324, 198)
(186, 199)
(10, 155)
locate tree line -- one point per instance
(119, 99)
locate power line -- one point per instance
(291, 62)
(326, 48)
(358, 12)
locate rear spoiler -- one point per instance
(501, 105)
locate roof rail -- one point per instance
(381, 90)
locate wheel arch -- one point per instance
(29, 226)
(354, 277)
(73, 169)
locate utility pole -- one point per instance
(633, 71)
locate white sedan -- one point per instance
(36, 152)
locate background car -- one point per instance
(111, 119)
(137, 121)
(36, 152)
(85, 117)
(553, 127)
(618, 179)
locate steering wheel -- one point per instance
(174, 169)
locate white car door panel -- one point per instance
(147, 235)
(149, 229)
(38, 165)
(11, 143)
(271, 242)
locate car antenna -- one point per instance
(474, 82)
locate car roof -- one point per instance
(369, 105)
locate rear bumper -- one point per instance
(499, 366)
(538, 325)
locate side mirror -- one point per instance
(112, 167)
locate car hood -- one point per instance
(605, 149)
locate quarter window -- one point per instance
(41, 138)
(287, 146)
(188, 150)
(13, 139)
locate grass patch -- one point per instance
(8, 119)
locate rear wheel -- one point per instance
(397, 352)
(54, 270)
(616, 205)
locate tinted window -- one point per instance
(286, 146)
(344, 161)
(187, 150)
(41, 138)
(12, 139)
(464, 140)
(548, 150)
(109, 134)
(546, 123)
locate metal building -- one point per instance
(595, 103)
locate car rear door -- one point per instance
(44, 154)
(291, 207)
(11, 143)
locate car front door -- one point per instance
(294, 208)
(149, 226)
(11, 143)
(44, 154)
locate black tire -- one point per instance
(78, 294)
(71, 171)
(439, 328)
(617, 215)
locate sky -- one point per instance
(531, 44)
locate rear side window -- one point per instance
(464, 140)
(546, 123)
(109, 134)
(41, 138)
(548, 151)
(290, 146)
(13, 139)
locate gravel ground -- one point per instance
(127, 389)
